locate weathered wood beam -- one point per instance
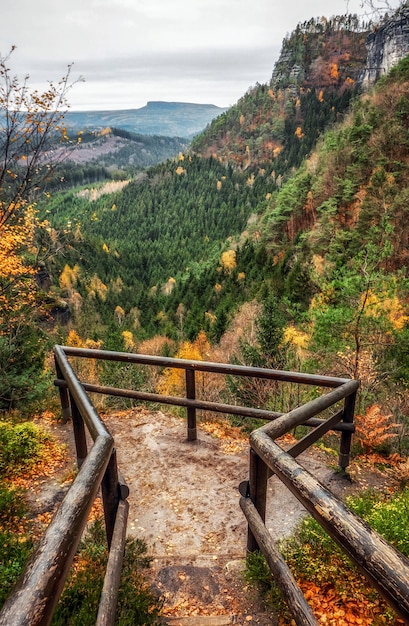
(109, 595)
(385, 567)
(292, 594)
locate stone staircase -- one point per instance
(209, 591)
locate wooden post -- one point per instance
(346, 436)
(191, 411)
(259, 474)
(110, 496)
(64, 398)
(79, 433)
(109, 595)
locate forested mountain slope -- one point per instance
(92, 156)
(173, 222)
(276, 125)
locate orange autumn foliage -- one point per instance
(17, 287)
(334, 608)
(374, 428)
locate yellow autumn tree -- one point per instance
(334, 72)
(97, 287)
(128, 339)
(228, 260)
(173, 379)
(86, 369)
(16, 284)
(68, 278)
(119, 315)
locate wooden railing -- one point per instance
(384, 567)
(35, 597)
(342, 421)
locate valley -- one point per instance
(272, 234)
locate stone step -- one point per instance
(208, 592)
(217, 620)
(201, 620)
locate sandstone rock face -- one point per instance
(386, 46)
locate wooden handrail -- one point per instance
(205, 366)
(36, 595)
(345, 424)
(384, 566)
(34, 599)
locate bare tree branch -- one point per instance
(29, 122)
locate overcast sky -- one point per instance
(132, 51)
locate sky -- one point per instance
(131, 51)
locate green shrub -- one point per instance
(15, 551)
(388, 515)
(12, 505)
(20, 446)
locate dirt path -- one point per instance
(184, 502)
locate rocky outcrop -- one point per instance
(387, 45)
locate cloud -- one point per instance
(134, 51)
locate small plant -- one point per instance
(15, 552)
(374, 429)
(257, 570)
(258, 574)
(12, 505)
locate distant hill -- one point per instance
(170, 119)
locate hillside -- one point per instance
(312, 84)
(109, 153)
(276, 125)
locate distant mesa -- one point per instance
(169, 119)
(178, 105)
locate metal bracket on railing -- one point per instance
(244, 489)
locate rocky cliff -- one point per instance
(387, 45)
